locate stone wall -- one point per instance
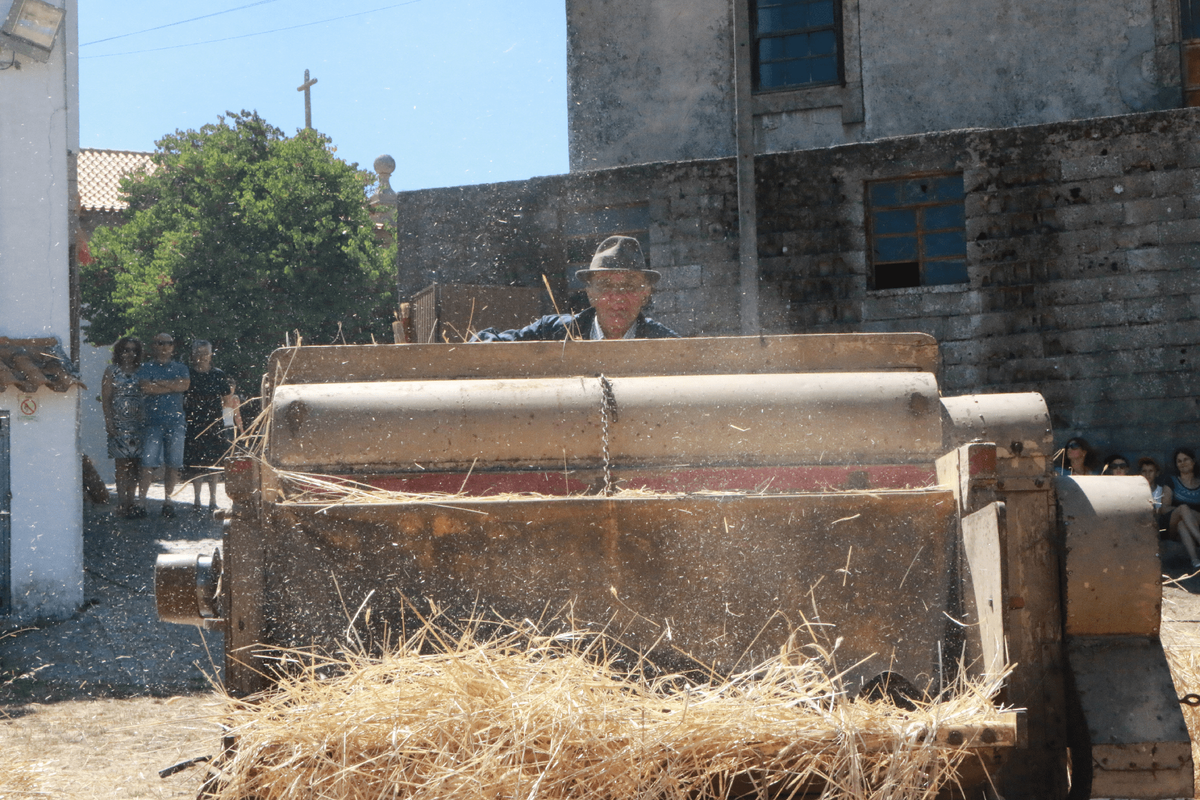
(654, 81)
(1083, 253)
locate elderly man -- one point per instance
(618, 287)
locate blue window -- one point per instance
(917, 232)
(797, 43)
(1189, 18)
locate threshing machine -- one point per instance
(785, 480)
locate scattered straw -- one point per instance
(538, 717)
(1185, 671)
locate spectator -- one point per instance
(619, 286)
(1181, 497)
(1150, 470)
(121, 398)
(209, 394)
(163, 381)
(1078, 458)
(1115, 465)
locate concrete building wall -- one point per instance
(653, 81)
(93, 440)
(38, 136)
(648, 81)
(46, 547)
(1083, 249)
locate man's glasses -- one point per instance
(617, 288)
(162, 343)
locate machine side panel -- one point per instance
(1035, 643)
(725, 579)
(1140, 744)
(984, 546)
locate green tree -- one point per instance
(241, 235)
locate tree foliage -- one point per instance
(241, 235)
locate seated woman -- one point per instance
(1181, 497)
(1078, 458)
(1150, 470)
(1116, 464)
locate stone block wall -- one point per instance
(1083, 255)
(1083, 250)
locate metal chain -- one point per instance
(608, 414)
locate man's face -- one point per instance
(618, 297)
(164, 347)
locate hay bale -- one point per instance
(550, 717)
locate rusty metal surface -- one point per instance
(1112, 569)
(176, 589)
(723, 578)
(1140, 744)
(906, 352)
(549, 423)
(775, 479)
(1018, 424)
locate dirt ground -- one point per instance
(109, 749)
(65, 734)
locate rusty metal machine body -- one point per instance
(790, 481)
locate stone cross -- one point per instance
(308, 83)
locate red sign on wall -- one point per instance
(27, 404)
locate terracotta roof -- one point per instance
(30, 364)
(100, 173)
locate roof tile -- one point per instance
(30, 364)
(100, 173)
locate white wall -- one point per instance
(47, 506)
(38, 132)
(92, 438)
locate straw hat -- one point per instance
(618, 254)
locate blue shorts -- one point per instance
(163, 439)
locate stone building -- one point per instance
(659, 81)
(1023, 187)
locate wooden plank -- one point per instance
(984, 545)
(907, 352)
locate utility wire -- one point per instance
(259, 33)
(182, 22)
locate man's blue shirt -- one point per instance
(163, 409)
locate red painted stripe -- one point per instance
(739, 479)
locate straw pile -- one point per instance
(524, 715)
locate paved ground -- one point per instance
(115, 645)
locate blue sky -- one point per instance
(457, 91)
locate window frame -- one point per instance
(839, 56)
(919, 231)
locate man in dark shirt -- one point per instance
(618, 287)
